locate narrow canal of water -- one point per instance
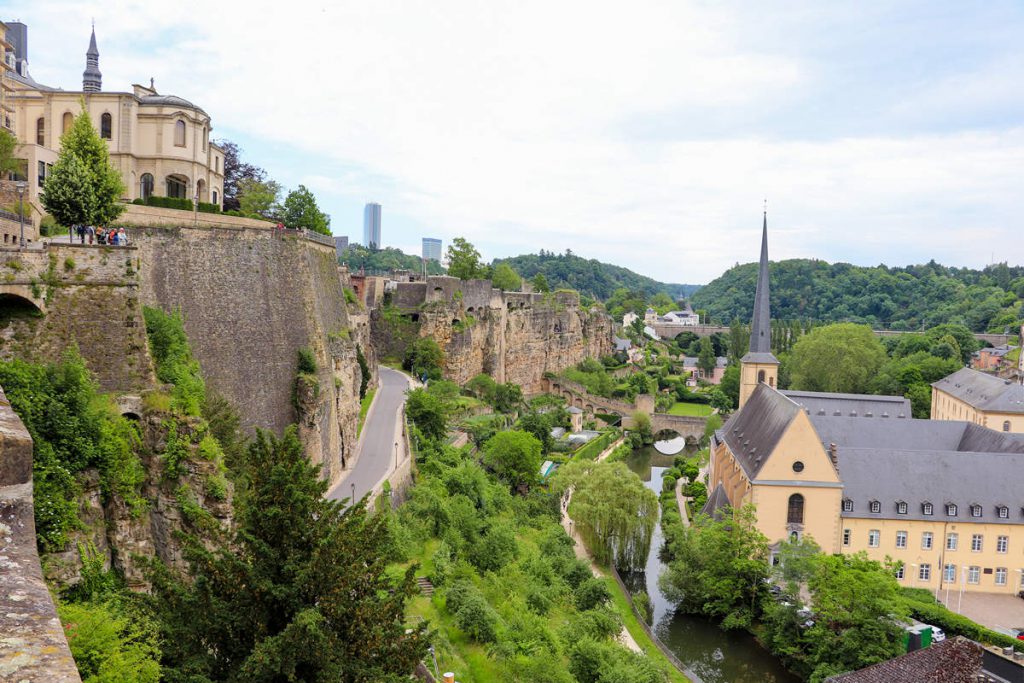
(715, 655)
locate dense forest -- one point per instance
(909, 297)
(359, 258)
(590, 276)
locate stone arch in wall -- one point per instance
(16, 301)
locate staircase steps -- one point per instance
(425, 586)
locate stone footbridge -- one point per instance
(692, 428)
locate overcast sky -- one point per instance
(646, 134)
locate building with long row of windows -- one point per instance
(160, 143)
(943, 500)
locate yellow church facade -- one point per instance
(943, 501)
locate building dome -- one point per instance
(167, 100)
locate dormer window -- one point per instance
(926, 508)
(876, 506)
(901, 508)
(1003, 512)
(847, 505)
(951, 509)
(975, 510)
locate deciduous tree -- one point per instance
(843, 357)
(506, 279)
(83, 187)
(464, 260)
(514, 456)
(301, 211)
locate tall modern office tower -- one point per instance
(371, 225)
(431, 249)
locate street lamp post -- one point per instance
(20, 187)
(353, 494)
(396, 455)
(195, 208)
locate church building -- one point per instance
(944, 500)
(160, 143)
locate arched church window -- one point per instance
(69, 120)
(795, 512)
(106, 124)
(146, 186)
(214, 196)
(41, 131)
(760, 376)
(179, 133)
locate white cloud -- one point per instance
(508, 122)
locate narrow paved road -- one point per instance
(377, 446)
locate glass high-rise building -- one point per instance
(371, 225)
(431, 249)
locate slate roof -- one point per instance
(167, 100)
(983, 391)
(954, 659)
(716, 501)
(891, 475)
(753, 432)
(852, 432)
(853, 405)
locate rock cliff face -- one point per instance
(512, 336)
(124, 537)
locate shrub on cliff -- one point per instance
(174, 362)
(73, 429)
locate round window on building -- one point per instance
(798, 466)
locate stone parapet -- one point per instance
(32, 643)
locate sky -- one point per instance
(647, 134)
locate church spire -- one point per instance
(92, 79)
(759, 366)
(761, 326)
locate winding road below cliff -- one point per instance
(380, 440)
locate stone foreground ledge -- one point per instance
(32, 643)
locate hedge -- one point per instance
(958, 625)
(167, 203)
(591, 450)
(206, 207)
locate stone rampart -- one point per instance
(32, 642)
(62, 295)
(137, 215)
(512, 336)
(251, 298)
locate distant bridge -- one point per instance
(576, 394)
(672, 330)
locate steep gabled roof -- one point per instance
(753, 432)
(952, 659)
(983, 391)
(716, 502)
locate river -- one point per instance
(715, 655)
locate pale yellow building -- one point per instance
(160, 143)
(6, 107)
(942, 500)
(980, 398)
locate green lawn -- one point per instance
(690, 409)
(364, 405)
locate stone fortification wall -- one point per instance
(90, 297)
(251, 298)
(512, 336)
(32, 642)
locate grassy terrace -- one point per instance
(690, 409)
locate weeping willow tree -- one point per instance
(613, 511)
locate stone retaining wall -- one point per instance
(32, 643)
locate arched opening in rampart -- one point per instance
(131, 416)
(17, 307)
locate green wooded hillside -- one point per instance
(590, 276)
(899, 298)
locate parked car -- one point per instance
(1018, 632)
(938, 635)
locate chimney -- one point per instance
(833, 454)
